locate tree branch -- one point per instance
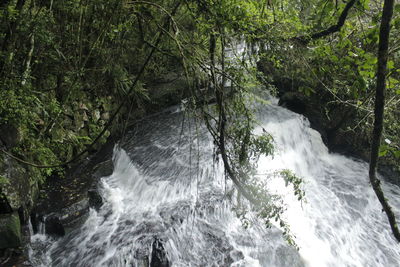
(332, 29)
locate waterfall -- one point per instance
(166, 189)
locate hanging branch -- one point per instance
(219, 133)
(332, 29)
(259, 199)
(379, 113)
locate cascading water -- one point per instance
(166, 187)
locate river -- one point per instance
(167, 191)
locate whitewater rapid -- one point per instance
(166, 186)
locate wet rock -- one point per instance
(23, 213)
(54, 226)
(10, 231)
(69, 199)
(73, 212)
(60, 222)
(95, 199)
(158, 255)
(13, 257)
(18, 190)
(4, 205)
(74, 215)
(103, 169)
(293, 101)
(35, 220)
(144, 262)
(390, 173)
(349, 143)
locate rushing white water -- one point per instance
(166, 186)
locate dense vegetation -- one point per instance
(72, 72)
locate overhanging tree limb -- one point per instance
(219, 133)
(379, 113)
(332, 29)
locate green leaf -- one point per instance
(397, 7)
(392, 82)
(383, 153)
(4, 180)
(365, 4)
(383, 150)
(390, 64)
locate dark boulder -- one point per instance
(10, 231)
(95, 199)
(62, 221)
(54, 226)
(5, 207)
(312, 110)
(18, 191)
(158, 255)
(36, 221)
(294, 101)
(103, 169)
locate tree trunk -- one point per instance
(379, 112)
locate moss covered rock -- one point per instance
(10, 231)
(18, 188)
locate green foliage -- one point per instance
(290, 178)
(271, 206)
(82, 62)
(85, 53)
(3, 180)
